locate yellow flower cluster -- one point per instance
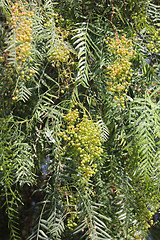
(144, 211)
(21, 23)
(151, 33)
(83, 143)
(59, 51)
(119, 72)
(153, 43)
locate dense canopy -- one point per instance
(80, 118)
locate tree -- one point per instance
(79, 118)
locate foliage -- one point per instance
(79, 112)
